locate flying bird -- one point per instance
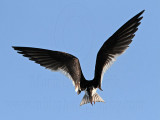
(70, 65)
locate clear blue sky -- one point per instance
(30, 92)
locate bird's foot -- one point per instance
(91, 103)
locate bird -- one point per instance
(69, 65)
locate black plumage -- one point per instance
(70, 65)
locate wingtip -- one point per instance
(17, 47)
(141, 12)
(137, 16)
(14, 47)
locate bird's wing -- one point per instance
(115, 46)
(56, 61)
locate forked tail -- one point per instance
(95, 98)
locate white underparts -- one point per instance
(94, 91)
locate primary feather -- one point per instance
(115, 46)
(55, 61)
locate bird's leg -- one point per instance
(91, 103)
(90, 99)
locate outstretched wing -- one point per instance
(115, 46)
(56, 61)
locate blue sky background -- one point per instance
(30, 92)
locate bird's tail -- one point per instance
(95, 98)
